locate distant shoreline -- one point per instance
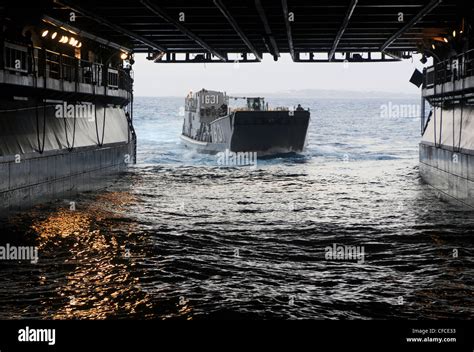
(314, 93)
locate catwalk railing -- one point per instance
(40, 62)
(447, 81)
(455, 68)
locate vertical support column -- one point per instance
(45, 67)
(77, 68)
(133, 129)
(61, 77)
(422, 114)
(2, 41)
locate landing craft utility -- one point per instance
(210, 126)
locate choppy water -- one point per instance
(180, 237)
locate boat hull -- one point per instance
(447, 154)
(263, 132)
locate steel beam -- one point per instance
(109, 24)
(268, 30)
(342, 29)
(284, 4)
(164, 58)
(159, 12)
(427, 9)
(368, 59)
(237, 28)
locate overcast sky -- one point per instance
(153, 79)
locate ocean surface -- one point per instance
(179, 236)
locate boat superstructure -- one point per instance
(211, 126)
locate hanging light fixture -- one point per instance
(64, 39)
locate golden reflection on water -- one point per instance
(186, 311)
(99, 283)
(63, 224)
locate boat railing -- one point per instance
(278, 108)
(15, 58)
(41, 62)
(452, 69)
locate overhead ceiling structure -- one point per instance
(317, 30)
